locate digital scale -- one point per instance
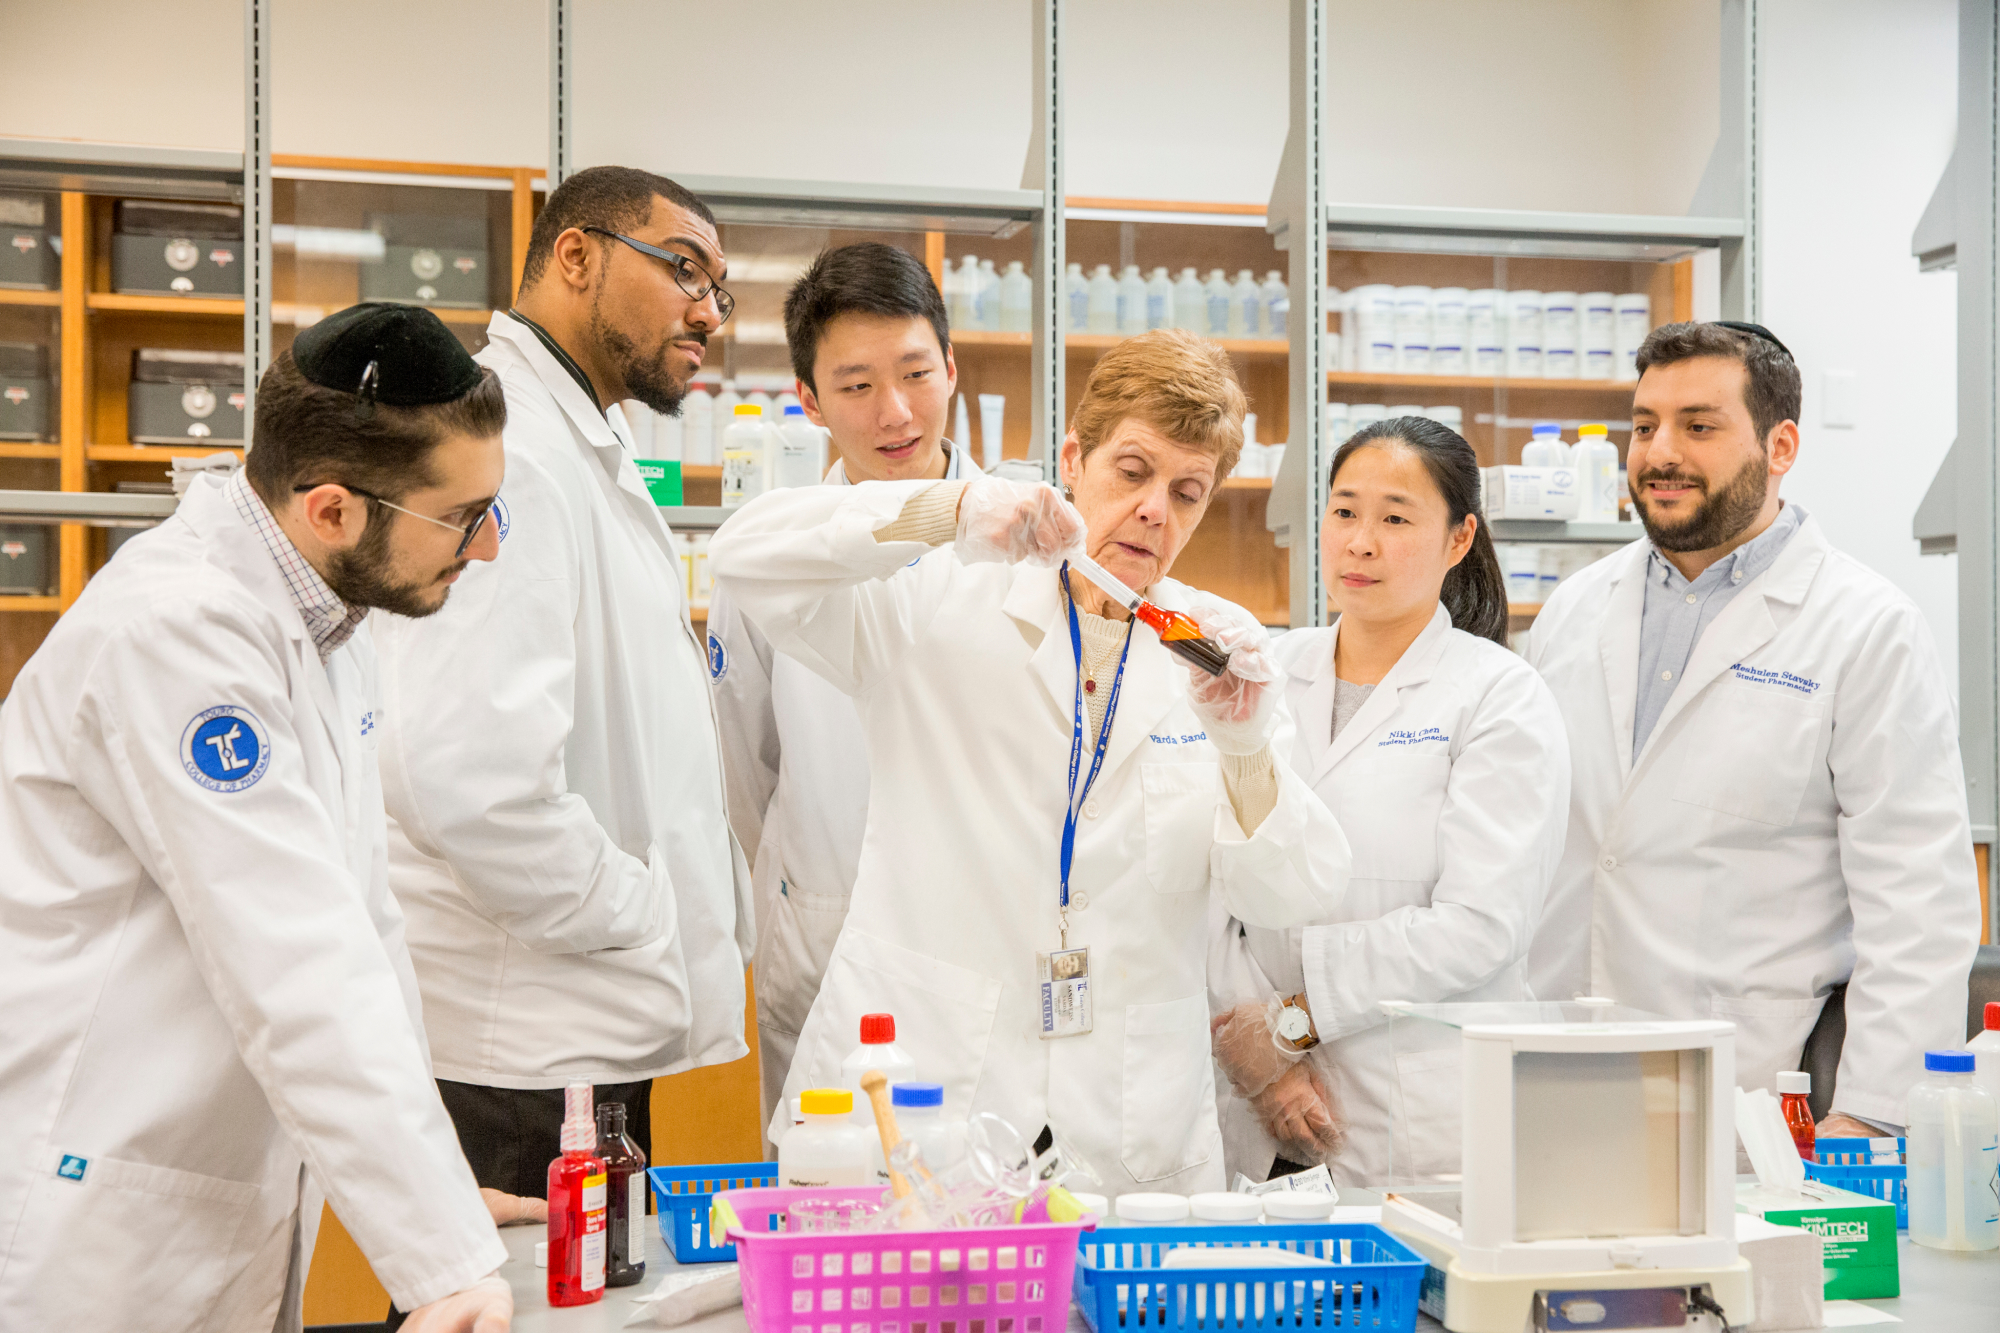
(1597, 1182)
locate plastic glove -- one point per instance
(510, 1209)
(1247, 1045)
(487, 1306)
(1239, 707)
(1297, 1111)
(1015, 522)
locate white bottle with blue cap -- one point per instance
(801, 449)
(920, 1117)
(1546, 447)
(1952, 1130)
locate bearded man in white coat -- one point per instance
(558, 837)
(1767, 800)
(872, 352)
(211, 1018)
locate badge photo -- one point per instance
(225, 748)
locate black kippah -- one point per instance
(1755, 331)
(402, 355)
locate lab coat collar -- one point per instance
(1412, 669)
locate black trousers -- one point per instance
(510, 1135)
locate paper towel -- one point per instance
(1785, 1277)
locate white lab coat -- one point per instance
(558, 835)
(965, 682)
(1452, 784)
(206, 990)
(1797, 817)
(796, 762)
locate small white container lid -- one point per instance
(1223, 1207)
(1092, 1203)
(1153, 1207)
(541, 1254)
(1298, 1205)
(1794, 1081)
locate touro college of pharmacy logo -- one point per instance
(225, 748)
(500, 520)
(718, 660)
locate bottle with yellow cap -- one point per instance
(828, 1148)
(1596, 474)
(747, 455)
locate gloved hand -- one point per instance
(508, 1209)
(1238, 707)
(1012, 522)
(1247, 1045)
(487, 1306)
(1297, 1111)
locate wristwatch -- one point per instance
(1295, 1025)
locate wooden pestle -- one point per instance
(876, 1085)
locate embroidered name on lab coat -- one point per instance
(1421, 736)
(1187, 739)
(1760, 676)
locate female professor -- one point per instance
(1055, 795)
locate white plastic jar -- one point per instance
(1220, 1208)
(1152, 1209)
(1298, 1206)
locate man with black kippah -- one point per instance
(577, 908)
(213, 1017)
(1767, 807)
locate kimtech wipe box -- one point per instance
(1857, 1235)
(165, 249)
(436, 261)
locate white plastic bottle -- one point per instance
(1131, 301)
(920, 1116)
(1448, 331)
(878, 1050)
(725, 405)
(1523, 335)
(828, 1148)
(986, 314)
(963, 315)
(1159, 300)
(1560, 336)
(1278, 304)
(1597, 335)
(746, 456)
(761, 401)
(1596, 460)
(783, 403)
(1246, 306)
(1632, 314)
(670, 432)
(1374, 329)
(1338, 425)
(1215, 294)
(1413, 330)
(1952, 1132)
(698, 426)
(1485, 349)
(1017, 298)
(801, 450)
(1190, 302)
(1545, 446)
(1985, 1050)
(1102, 305)
(1076, 296)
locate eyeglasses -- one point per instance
(692, 277)
(470, 531)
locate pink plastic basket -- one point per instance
(976, 1280)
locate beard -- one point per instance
(646, 374)
(1717, 519)
(363, 577)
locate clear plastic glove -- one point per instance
(1015, 522)
(1238, 707)
(1248, 1048)
(1297, 1111)
(510, 1209)
(487, 1306)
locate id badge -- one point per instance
(1065, 978)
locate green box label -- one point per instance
(663, 479)
(1857, 1248)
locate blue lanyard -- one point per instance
(1077, 798)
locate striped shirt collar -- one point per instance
(330, 621)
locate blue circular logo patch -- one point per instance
(718, 660)
(500, 522)
(225, 748)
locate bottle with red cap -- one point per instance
(878, 1050)
(1985, 1050)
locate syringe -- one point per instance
(1180, 634)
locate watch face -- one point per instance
(1293, 1023)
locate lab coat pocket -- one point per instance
(1770, 1032)
(1181, 801)
(1168, 1113)
(1429, 1142)
(1749, 751)
(168, 1236)
(950, 1013)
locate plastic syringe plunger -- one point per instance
(1177, 632)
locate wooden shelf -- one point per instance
(287, 313)
(230, 307)
(21, 449)
(1247, 484)
(18, 603)
(1524, 610)
(1478, 382)
(19, 296)
(150, 453)
(1104, 342)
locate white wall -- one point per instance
(1859, 107)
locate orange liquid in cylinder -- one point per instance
(1169, 625)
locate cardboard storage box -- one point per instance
(25, 391)
(27, 560)
(177, 396)
(440, 261)
(162, 249)
(31, 256)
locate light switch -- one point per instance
(1836, 401)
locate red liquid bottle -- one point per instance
(625, 1169)
(1793, 1087)
(577, 1207)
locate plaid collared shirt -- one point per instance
(330, 621)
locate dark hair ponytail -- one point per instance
(1475, 591)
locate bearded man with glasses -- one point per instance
(577, 907)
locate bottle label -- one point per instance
(591, 1197)
(635, 1217)
(593, 1261)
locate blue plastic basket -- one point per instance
(1844, 1164)
(682, 1195)
(1373, 1284)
